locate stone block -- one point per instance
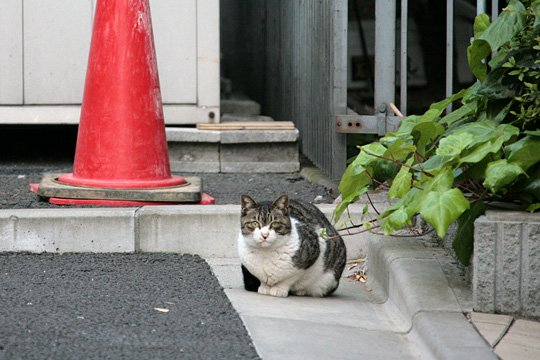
(194, 157)
(68, 230)
(192, 135)
(506, 263)
(259, 136)
(261, 158)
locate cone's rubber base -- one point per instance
(122, 184)
(190, 192)
(205, 200)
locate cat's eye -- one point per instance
(254, 224)
(276, 226)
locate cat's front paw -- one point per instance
(279, 291)
(264, 289)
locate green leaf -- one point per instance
(501, 173)
(481, 23)
(510, 22)
(453, 145)
(495, 85)
(367, 152)
(440, 209)
(476, 53)
(395, 221)
(402, 182)
(425, 133)
(502, 134)
(533, 132)
(463, 242)
(346, 201)
(464, 111)
(434, 163)
(536, 11)
(525, 152)
(481, 131)
(400, 150)
(533, 207)
(532, 185)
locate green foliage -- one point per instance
(447, 167)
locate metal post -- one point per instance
(449, 50)
(494, 9)
(480, 7)
(403, 58)
(385, 53)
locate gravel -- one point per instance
(225, 188)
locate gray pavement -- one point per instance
(116, 306)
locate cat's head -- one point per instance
(265, 223)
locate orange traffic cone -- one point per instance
(121, 151)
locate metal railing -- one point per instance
(385, 118)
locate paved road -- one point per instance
(77, 306)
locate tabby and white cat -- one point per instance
(289, 247)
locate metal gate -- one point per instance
(298, 70)
(297, 56)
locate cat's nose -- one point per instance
(265, 234)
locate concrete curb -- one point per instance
(411, 280)
(192, 229)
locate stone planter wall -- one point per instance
(506, 263)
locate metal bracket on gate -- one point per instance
(353, 123)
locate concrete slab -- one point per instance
(68, 230)
(295, 339)
(209, 231)
(521, 342)
(227, 271)
(259, 136)
(491, 326)
(352, 305)
(195, 135)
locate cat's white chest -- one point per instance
(272, 264)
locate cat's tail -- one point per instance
(251, 283)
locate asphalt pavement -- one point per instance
(116, 306)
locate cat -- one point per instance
(289, 247)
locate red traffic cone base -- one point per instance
(121, 141)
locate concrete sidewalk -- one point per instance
(407, 310)
(413, 305)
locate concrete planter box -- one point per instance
(506, 263)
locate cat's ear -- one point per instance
(247, 203)
(282, 203)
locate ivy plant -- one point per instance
(449, 167)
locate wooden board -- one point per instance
(249, 125)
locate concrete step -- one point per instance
(266, 151)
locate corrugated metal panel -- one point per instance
(304, 66)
